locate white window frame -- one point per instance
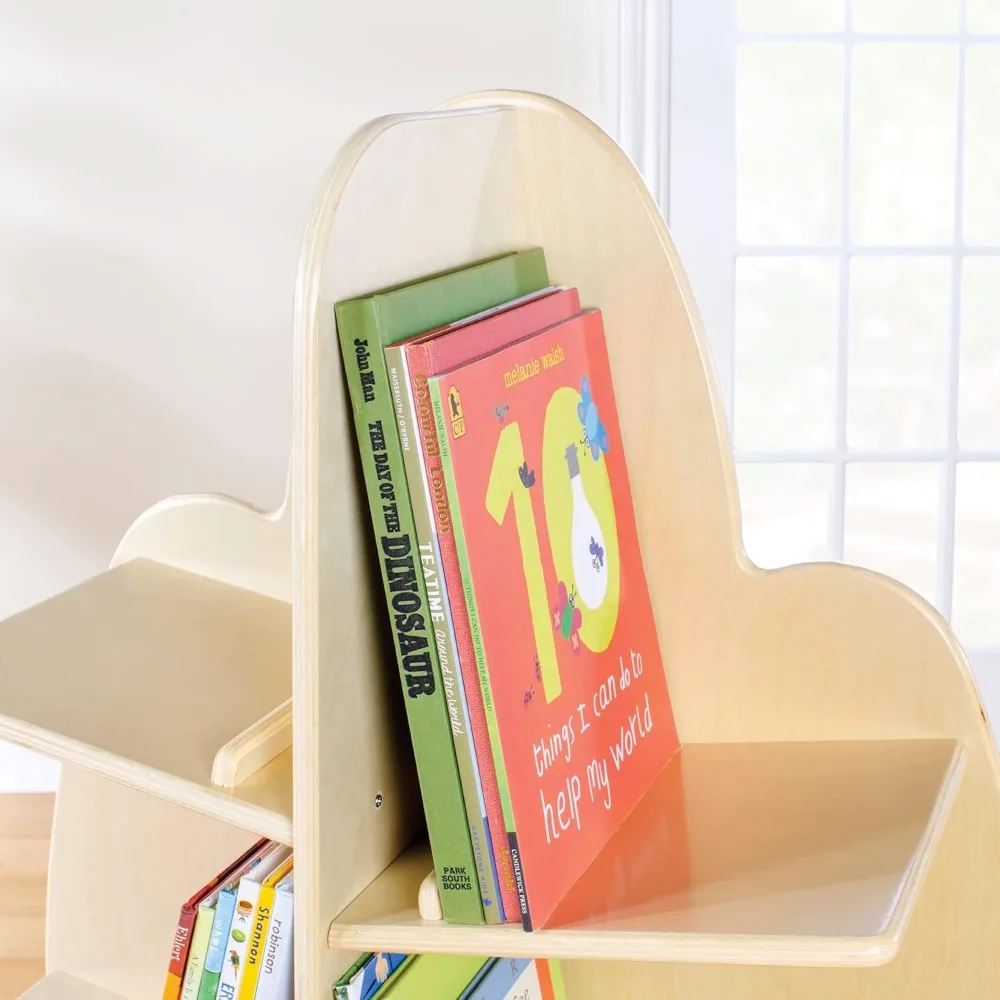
(672, 106)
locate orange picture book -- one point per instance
(569, 664)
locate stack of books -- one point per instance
(449, 977)
(538, 708)
(234, 938)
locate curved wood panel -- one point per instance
(818, 652)
(218, 537)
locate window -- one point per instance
(833, 184)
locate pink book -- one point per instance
(419, 358)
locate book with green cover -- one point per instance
(195, 967)
(365, 327)
(443, 977)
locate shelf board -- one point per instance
(757, 853)
(142, 673)
(61, 986)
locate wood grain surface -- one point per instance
(25, 826)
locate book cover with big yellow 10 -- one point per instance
(565, 640)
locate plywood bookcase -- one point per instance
(836, 803)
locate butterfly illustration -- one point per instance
(567, 617)
(500, 412)
(595, 435)
(526, 475)
(597, 551)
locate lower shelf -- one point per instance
(142, 674)
(771, 854)
(60, 986)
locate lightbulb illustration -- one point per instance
(586, 540)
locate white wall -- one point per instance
(157, 164)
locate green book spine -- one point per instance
(365, 327)
(444, 445)
(444, 635)
(442, 977)
(558, 983)
(199, 949)
(406, 595)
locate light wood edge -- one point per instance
(256, 746)
(655, 948)
(909, 892)
(652, 948)
(201, 799)
(305, 561)
(429, 899)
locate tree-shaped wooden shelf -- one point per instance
(829, 828)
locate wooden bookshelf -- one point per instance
(829, 828)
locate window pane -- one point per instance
(897, 370)
(891, 522)
(903, 143)
(976, 614)
(789, 125)
(982, 16)
(786, 316)
(979, 377)
(790, 15)
(905, 15)
(982, 151)
(785, 512)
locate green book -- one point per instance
(366, 326)
(444, 443)
(443, 977)
(199, 949)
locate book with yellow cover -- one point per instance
(258, 932)
(241, 928)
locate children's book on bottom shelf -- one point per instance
(245, 912)
(517, 979)
(368, 975)
(450, 977)
(196, 918)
